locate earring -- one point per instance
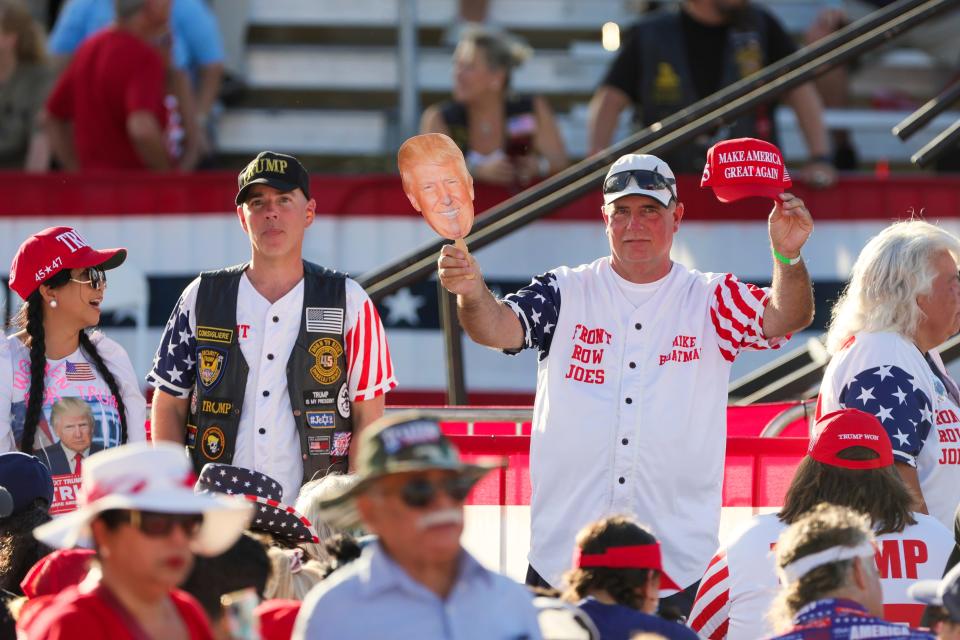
(53, 304)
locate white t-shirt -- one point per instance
(267, 438)
(886, 375)
(630, 412)
(741, 582)
(72, 385)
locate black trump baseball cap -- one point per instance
(277, 170)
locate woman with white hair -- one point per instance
(902, 302)
(312, 494)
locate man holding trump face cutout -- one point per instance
(436, 180)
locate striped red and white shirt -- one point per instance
(741, 582)
(630, 414)
(267, 440)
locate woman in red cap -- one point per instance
(616, 579)
(53, 359)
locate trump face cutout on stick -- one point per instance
(438, 185)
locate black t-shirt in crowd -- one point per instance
(704, 44)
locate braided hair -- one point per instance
(30, 318)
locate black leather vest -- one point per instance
(667, 83)
(316, 372)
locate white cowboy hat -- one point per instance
(147, 477)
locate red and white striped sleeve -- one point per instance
(369, 367)
(736, 310)
(710, 615)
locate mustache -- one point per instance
(439, 518)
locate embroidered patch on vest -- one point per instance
(211, 363)
(341, 444)
(191, 436)
(325, 352)
(215, 334)
(324, 320)
(318, 445)
(317, 398)
(213, 442)
(320, 419)
(343, 401)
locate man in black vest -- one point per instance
(673, 58)
(273, 365)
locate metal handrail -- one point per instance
(805, 409)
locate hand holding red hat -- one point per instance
(790, 224)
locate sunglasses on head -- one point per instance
(650, 180)
(157, 525)
(420, 492)
(96, 278)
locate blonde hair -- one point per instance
(825, 526)
(308, 503)
(432, 148)
(502, 51)
(291, 574)
(70, 405)
(892, 270)
(15, 18)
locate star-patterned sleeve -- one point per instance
(904, 410)
(174, 366)
(737, 314)
(537, 306)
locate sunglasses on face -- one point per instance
(418, 493)
(158, 525)
(96, 278)
(650, 180)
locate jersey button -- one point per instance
(638, 326)
(269, 356)
(622, 480)
(625, 441)
(262, 431)
(277, 319)
(633, 365)
(629, 400)
(266, 394)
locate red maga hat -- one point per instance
(637, 556)
(836, 431)
(44, 254)
(745, 167)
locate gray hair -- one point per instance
(894, 268)
(308, 503)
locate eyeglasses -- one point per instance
(158, 525)
(652, 180)
(420, 492)
(96, 278)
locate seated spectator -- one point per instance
(284, 525)
(831, 586)
(616, 579)
(107, 109)
(507, 139)
(850, 464)
(312, 494)
(943, 598)
(25, 79)
(145, 524)
(196, 56)
(31, 489)
(242, 566)
(406, 584)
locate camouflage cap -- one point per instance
(399, 443)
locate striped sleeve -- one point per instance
(736, 311)
(369, 367)
(710, 616)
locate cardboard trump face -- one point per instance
(437, 183)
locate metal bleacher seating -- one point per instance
(323, 77)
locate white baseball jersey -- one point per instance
(630, 412)
(267, 439)
(741, 582)
(886, 375)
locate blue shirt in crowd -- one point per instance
(196, 35)
(373, 597)
(617, 622)
(836, 619)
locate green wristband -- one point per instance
(785, 260)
